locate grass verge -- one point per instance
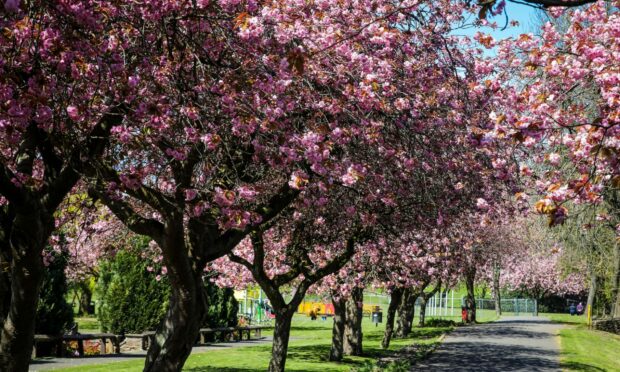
(584, 349)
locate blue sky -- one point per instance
(525, 15)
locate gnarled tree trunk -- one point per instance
(423, 303)
(615, 312)
(353, 323)
(395, 298)
(179, 330)
(425, 297)
(29, 235)
(281, 335)
(85, 299)
(336, 351)
(470, 277)
(591, 291)
(496, 289)
(406, 311)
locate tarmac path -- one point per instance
(509, 344)
(50, 364)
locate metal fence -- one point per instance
(517, 306)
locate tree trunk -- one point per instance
(28, 237)
(336, 352)
(406, 310)
(615, 283)
(591, 292)
(353, 323)
(471, 297)
(423, 303)
(395, 299)
(281, 336)
(496, 289)
(178, 332)
(85, 299)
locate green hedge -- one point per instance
(133, 300)
(54, 314)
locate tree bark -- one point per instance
(615, 291)
(85, 299)
(336, 351)
(395, 299)
(179, 330)
(353, 323)
(406, 311)
(281, 336)
(470, 278)
(29, 235)
(591, 291)
(423, 302)
(496, 289)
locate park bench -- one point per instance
(237, 334)
(79, 338)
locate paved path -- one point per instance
(509, 344)
(50, 364)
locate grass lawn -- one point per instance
(308, 351)
(87, 324)
(587, 350)
(565, 318)
(584, 349)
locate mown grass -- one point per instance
(565, 318)
(308, 351)
(583, 349)
(87, 324)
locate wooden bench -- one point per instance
(80, 338)
(236, 332)
(147, 338)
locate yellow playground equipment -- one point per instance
(321, 308)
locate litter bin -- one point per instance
(377, 317)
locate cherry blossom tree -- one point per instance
(63, 86)
(233, 131)
(564, 108)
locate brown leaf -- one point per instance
(241, 21)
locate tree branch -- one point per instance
(81, 157)
(8, 189)
(560, 3)
(133, 220)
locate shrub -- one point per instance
(134, 299)
(131, 299)
(54, 314)
(435, 322)
(223, 307)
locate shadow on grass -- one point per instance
(319, 327)
(576, 366)
(225, 369)
(47, 360)
(416, 334)
(320, 354)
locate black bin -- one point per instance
(377, 317)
